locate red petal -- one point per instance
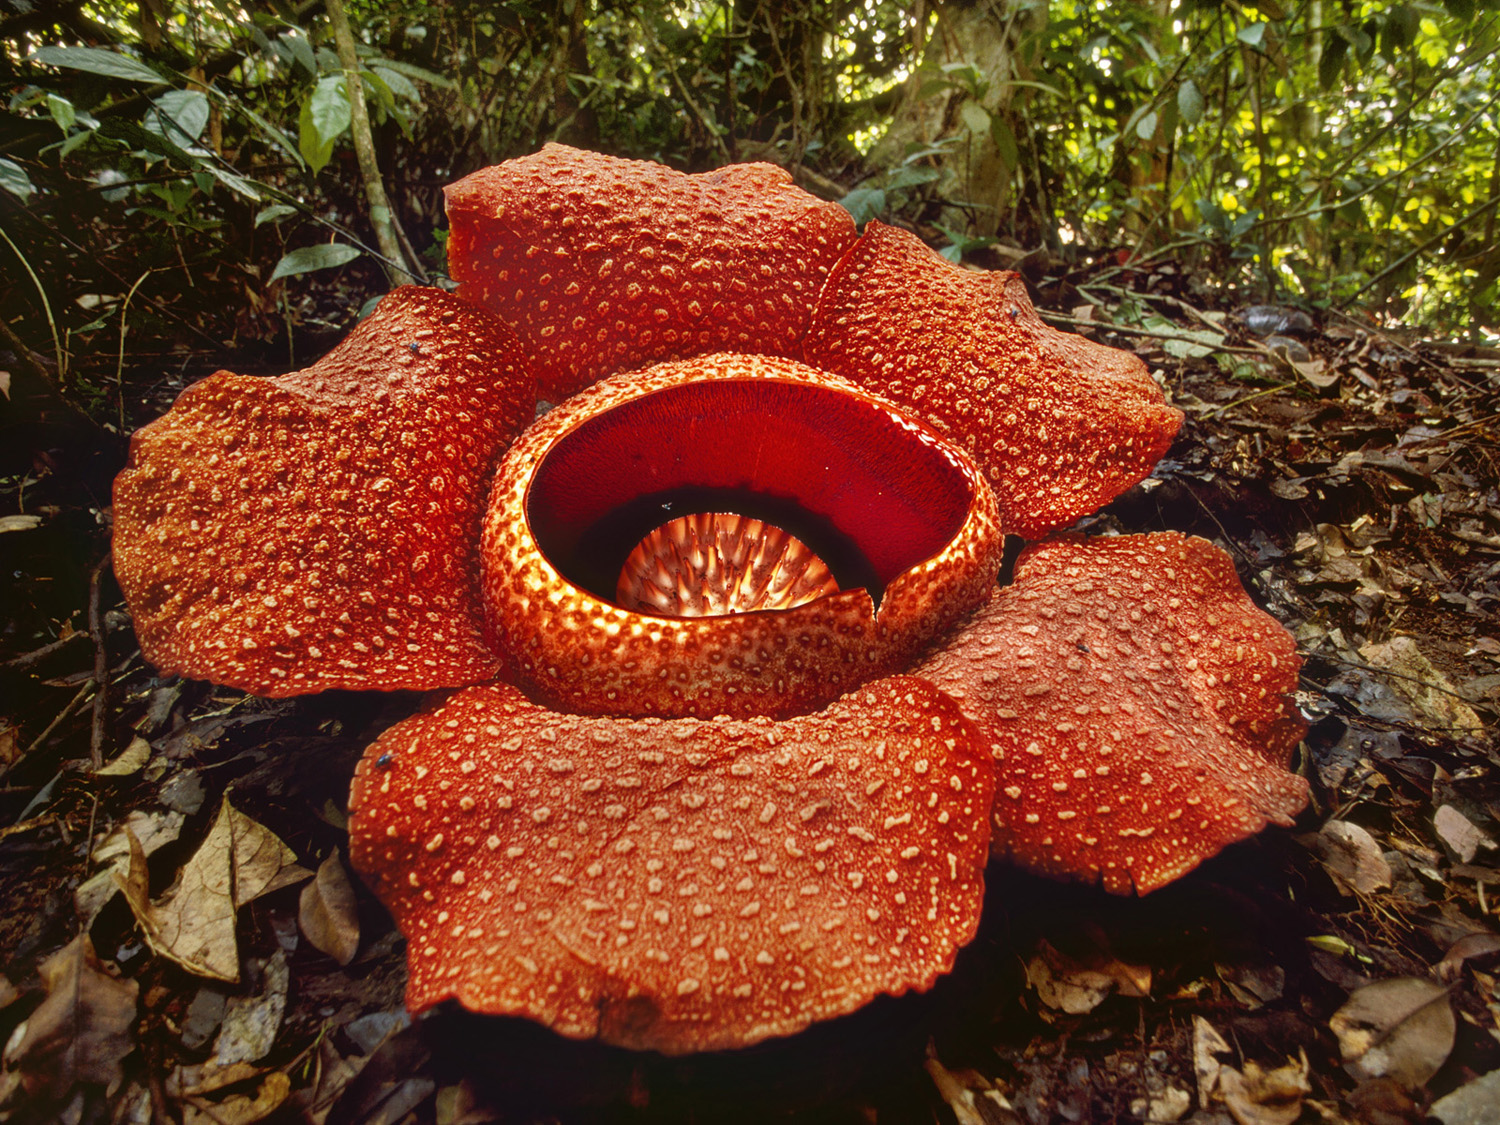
(675, 885)
(320, 530)
(762, 430)
(605, 264)
(1060, 425)
(1137, 706)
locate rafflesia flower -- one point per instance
(743, 711)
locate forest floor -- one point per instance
(1341, 971)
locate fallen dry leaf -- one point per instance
(251, 1022)
(1076, 986)
(151, 829)
(959, 1098)
(1315, 371)
(240, 1109)
(1459, 834)
(79, 1032)
(1352, 857)
(1401, 1029)
(10, 744)
(1423, 686)
(1470, 945)
(1253, 985)
(1265, 1097)
(462, 1104)
(1253, 1096)
(1066, 986)
(132, 759)
(1473, 1104)
(1208, 1044)
(328, 914)
(208, 1077)
(1163, 1107)
(193, 923)
(331, 1075)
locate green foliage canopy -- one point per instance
(1330, 150)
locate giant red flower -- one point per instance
(743, 711)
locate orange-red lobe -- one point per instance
(1060, 425)
(676, 885)
(1137, 705)
(321, 529)
(603, 264)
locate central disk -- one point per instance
(715, 563)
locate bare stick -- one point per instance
(101, 665)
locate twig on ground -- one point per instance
(1392, 674)
(29, 660)
(101, 665)
(62, 716)
(1249, 398)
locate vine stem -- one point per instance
(382, 218)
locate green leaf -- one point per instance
(237, 184)
(903, 178)
(296, 41)
(73, 142)
(863, 204)
(280, 138)
(1331, 64)
(13, 178)
(378, 95)
(311, 149)
(1252, 34)
(325, 115)
(1190, 102)
(318, 116)
(142, 139)
(274, 213)
(325, 256)
(62, 112)
(1462, 10)
(1185, 343)
(1145, 128)
(1400, 27)
(96, 60)
(400, 85)
(329, 108)
(181, 115)
(975, 117)
(416, 72)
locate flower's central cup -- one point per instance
(864, 494)
(730, 534)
